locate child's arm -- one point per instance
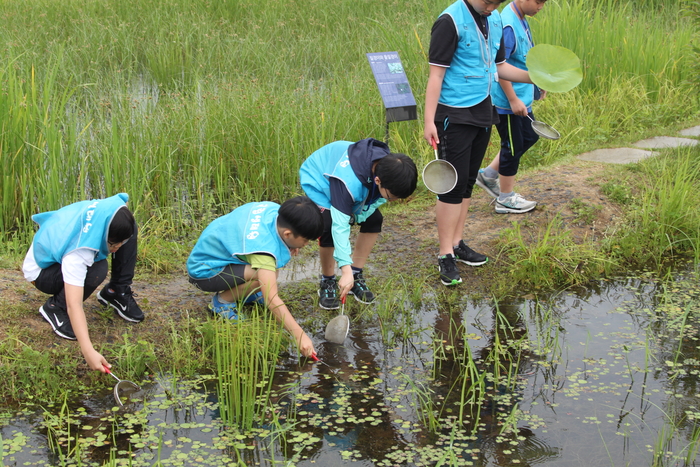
(74, 303)
(516, 105)
(432, 94)
(512, 73)
(268, 286)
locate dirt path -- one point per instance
(408, 243)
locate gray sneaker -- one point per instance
(490, 185)
(514, 204)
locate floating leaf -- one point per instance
(554, 68)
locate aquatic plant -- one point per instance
(246, 353)
(551, 257)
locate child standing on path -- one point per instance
(238, 256)
(68, 260)
(349, 181)
(514, 104)
(466, 57)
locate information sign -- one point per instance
(393, 86)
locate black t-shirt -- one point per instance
(443, 44)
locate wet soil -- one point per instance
(408, 245)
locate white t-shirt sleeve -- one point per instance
(73, 267)
(30, 269)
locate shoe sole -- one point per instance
(58, 333)
(116, 308)
(454, 282)
(360, 300)
(326, 308)
(483, 186)
(472, 263)
(500, 209)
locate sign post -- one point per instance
(399, 103)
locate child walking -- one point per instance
(513, 102)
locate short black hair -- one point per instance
(122, 226)
(302, 216)
(398, 174)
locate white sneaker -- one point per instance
(490, 185)
(514, 204)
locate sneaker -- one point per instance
(57, 318)
(227, 311)
(360, 290)
(466, 255)
(255, 299)
(328, 294)
(449, 275)
(490, 185)
(514, 204)
(123, 303)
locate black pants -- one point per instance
(50, 280)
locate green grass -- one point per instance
(663, 222)
(193, 108)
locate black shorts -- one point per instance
(373, 224)
(517, 136)
(464, 147)
(231, 276)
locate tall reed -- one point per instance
(194, 107)
(245, 354)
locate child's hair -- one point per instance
(398, 174)
(302, 216)
(122, 226)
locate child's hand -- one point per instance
(346, 281)
(95, 360)
(518, 107)
(306, 347)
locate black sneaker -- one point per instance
(328, 294)
(449, 275)
(360, 290)
(466, 255)
(57, 318)
(123, 303)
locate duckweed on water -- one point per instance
(622, 369)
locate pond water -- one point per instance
(605, 376)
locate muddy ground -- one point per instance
(407, 245)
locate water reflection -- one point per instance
(602, 376)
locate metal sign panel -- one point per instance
(393, 86)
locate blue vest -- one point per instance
(84, 224)
(332, 161)
(248, 229)
(524, 91)
(472, 73)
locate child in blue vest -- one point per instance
(68, 260)
(513, 102)
(238, 255)
(466, 57)
(349, 181)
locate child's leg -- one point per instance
(231, 283)
(326, 247)
(124, 264)
(464, 147)
(50, 281)
(369, 232)
(517, 136)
